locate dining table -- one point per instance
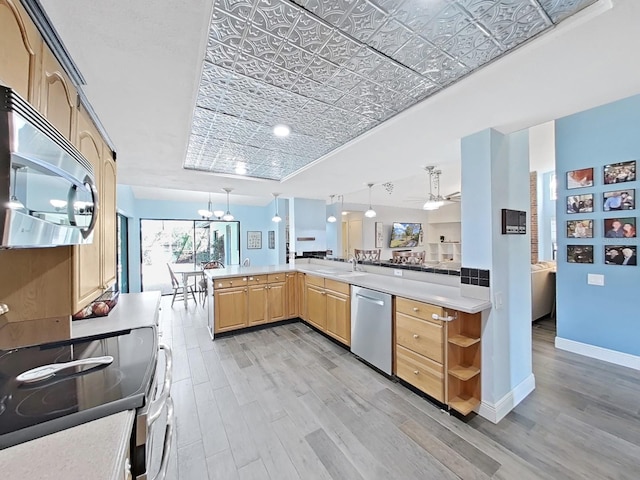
(187, 270)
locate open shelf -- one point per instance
(463, 340)
(464, 403)
(464, 372)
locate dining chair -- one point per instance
(202, 284)
(367, 255)
(180, 287)
(408, 258)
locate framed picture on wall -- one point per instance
(580, 253)
(580, 203)
(254, 240)
(619, 200)
(622, 227)
(620, 255)
(272, 239)
(619, 172)
(379, 235)
(580, 228)
(580, 178)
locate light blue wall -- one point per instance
(602, 316)
(308, 220)
(546, 213)
(251, 218)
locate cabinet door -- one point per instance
(108, 213)
(291, 288)
(420, 372)
(87, 260)
(302, 296)
(20, 40)
(339, 316)
(257, 304)
(277, 300)
(230, 309)
(59, 97)
(316, 307)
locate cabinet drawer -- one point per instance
(276, 277)
(339, 287)
(317, 281)
(421, 310)
(421, 336)
(420, 372)
(219, 283)
(257, 279)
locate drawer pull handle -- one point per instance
(415, 309)
(416, 372)
(415, 335)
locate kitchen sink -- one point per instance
(352, 274)
(328, 272)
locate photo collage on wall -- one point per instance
(617, 220)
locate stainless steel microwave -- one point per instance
(48, 194)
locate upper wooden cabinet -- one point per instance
(58, 98)
(108, 213)
(20, 47)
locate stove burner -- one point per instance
(59, 399)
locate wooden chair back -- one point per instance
(212, 264)
(411, 258)
(367, 255)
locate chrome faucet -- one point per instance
(352, 259)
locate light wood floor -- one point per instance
(286, 403)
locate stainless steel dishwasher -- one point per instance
(371, 327)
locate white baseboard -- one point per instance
(611, 356)
(496, 412)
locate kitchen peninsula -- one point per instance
(437, 330)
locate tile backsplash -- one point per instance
(475, 276)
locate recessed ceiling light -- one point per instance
(281, 130)
(241, 168)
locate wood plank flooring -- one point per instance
(286, 403)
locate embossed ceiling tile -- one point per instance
(293, 58)
(239, 8)
(344, 80)
(226, 28)
(413, 51)
(388, 6)
(464, 41)
(446, 25)
(481, 55)
(320, 70)
(404, 80)
(327, 94)
(505, 12)
(251, 66)
(306, 87)
(275, 16)
(416, 13)
(220, 54)
(363, 20)
(339, 49)
(260, 44)
(477, 7)
(558, 10)
(365, 61)
(389, 37)
(309, 33)
(332, 11)
(450, 71)
(521, 30)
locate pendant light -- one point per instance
(433, 202)
(206, 213)
(371, 212)
(227, 217)
(14, 203)
(276, 218)
(332, 218)
(344, 212)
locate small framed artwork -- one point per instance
(620, 172)
(620, 255)
(623, 227)
(254, 240)
(379, 235)
(272, 239)
(580, 228)
(619, 200)
(580, 178)
(580, 203)
(580, 253)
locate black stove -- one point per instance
(78, 394)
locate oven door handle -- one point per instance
(155, 408)
(166, 450)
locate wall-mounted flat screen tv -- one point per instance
(405, 235)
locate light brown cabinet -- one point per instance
(328, 307)
(230, 309)
(58, 97)
(464, 361)
(419, 352)
(291, 290)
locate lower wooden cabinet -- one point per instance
(230, 309)
(328, 307)
(276, 302)
(258, 308)
(291, 291)
(464, 361)
(421, 372)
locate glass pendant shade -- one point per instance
(276, 218)
(371, 212)
(331, 218)
(227, 217)
(206, 213)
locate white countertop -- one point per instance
(442, 295)
(92, 450)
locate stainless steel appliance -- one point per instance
(48, 193)
(371, 327)
(110, 373)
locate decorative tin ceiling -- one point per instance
(333, 69)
